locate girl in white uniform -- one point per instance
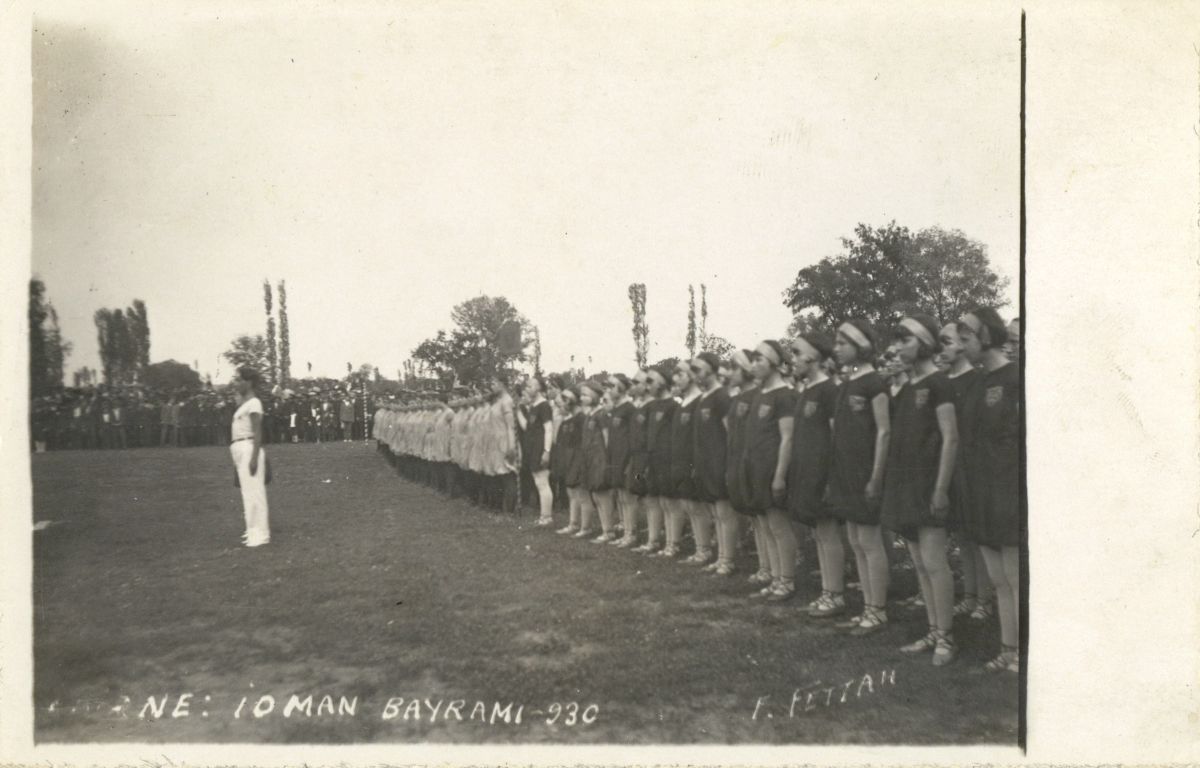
(249, 458)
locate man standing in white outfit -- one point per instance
(246, 449)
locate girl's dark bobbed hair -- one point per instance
(996, 327)
(250, 373)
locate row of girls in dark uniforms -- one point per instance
(771, 437)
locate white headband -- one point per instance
(920, 331)
(809, 349)
(850, 331)
(766, 350)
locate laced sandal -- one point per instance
(874, 620)
(604, 538)
(711, 566)
(1009, 660)
(945, 651)
(983, 611)
(784, 590)
(852, 622)
(583, 533)
(567, 530)
(926, 643)
(829, 605)
(701, 557)
(764, 592)
(967, 605)
(724, 569)
(669, 551)
(760, 577)
(813, 605)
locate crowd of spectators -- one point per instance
(115, 418)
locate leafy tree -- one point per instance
(471, 352)
(948, 273)
(641, 331)
(171, 375)
(669, 362)
(887, 271)
(270, 372)
(138, 322)
(119, 346)
(248, 350)
(285, 343)
(57, 349)
(37, 338)
(47, 349)
(691, 325)
(438, 353)
(537, 351)
(718, 346)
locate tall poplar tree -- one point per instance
(285, 343)
(272, 359)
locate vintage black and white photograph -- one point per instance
(560, 373)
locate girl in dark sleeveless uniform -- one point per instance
(995, 516)
(861, 430)
(735, 457)
(711, 442)
(683, 481)
(812, 449)
(978, 596)
(916, 488)
(768, 450)
(595, 460)
(568, 442)
(659, 412)
(620, 424)
(638, 475)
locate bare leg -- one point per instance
(1005, 606)
(860, 561)
(832, 555)
(784, 538)
(871, 540)
(730, 529)
(654, 519)
(941, 579)
(545, 495)
(700, 515)
(604, 505)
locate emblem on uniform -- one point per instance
(764, 410)
(994, 395)
(684, 418)
(616, 421)
(658, 416)
(810, 409)
(742, 408)
(857, 402)
(705, 413)
(641, 418)
(922, 397)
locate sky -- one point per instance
(390, 161)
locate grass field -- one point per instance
(376, 589)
